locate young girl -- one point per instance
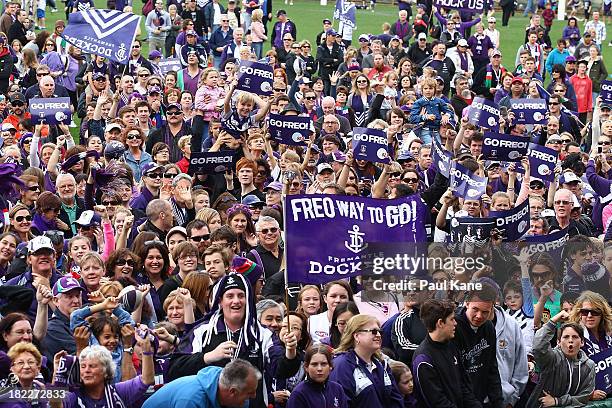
(77, 247)
(237, 120)
(405, 384)
(316, 386)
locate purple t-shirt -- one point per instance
(131, 393)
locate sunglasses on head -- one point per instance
(22, 218)
(123, 262)
(199, 238)
(266, 231)
(586, 312)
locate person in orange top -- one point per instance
(583, 86)
(18, 109)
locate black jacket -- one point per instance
(479, 358)
(329, 60)
(199, 20)
(209, 13)
(418, 55)
(17, 31)
(440, 379)
(63, 215)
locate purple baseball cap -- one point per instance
(66, 284)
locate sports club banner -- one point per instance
(170, 64)
(290, 129)
(514, 223)
(529, 111)
(345, 13)
(466, 184)
(471, 230)
(552, 243)
(109, 33)
(255, 77)
(476, 6)
(353, 222)
(485, 113)
(51, 111)
(442, 158)
(502, 147)
(211, 162)
(603, 370)
(542, 161)
(606, 92)
(371, 145)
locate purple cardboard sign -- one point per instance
(485, 113)
(442, 158)
(170, 64)
(471, 230)
(255, 77)
(529, 111)
(290, 129)
(109, 33)
(51, 111)
(542, 161)
(466, 184)
(476, 6)
(371, 145)
(514, 223)
(603, 370)
(211, 162)
(606, 92)
(353, 222)
(552, 243)
(502, 147)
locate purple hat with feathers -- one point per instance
(72, 160)
(105, 178)
(9, 177)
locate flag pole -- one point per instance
(284, 259)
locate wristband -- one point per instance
(147, 353)
(129, 350)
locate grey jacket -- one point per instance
(556, 369)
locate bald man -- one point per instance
(328, 107)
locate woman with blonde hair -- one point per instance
(211, 217)
(359, 356)
(258, 32)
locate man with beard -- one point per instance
(199, 235)
(230, 331)
(442, 64)
(72, 206)
(173, 129)
(41, 269)
(476, 341)
(18, 110)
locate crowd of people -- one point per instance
(129, 279)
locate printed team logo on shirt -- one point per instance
(336, 402)
(502, 344)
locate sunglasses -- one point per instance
(174, 113)
(536, 186)
(135, 46)
(154, 242)
(279, 90)
(267, 231)
(410, 180)
(155, 175)
(310, 98)
(143, 75)
(34, 188)
(554, 103)
(566, 141)
(296, 184)
(375, 332)
(133, 136)
(169, 175)
(559, 90)
(256, 206)
(23, 218)
(123, 262)
(18, 103)
(604, 143)
(395, 174)
(586, 312)
(362, 82)
(562, 202)
(107, 203)
(199, 238)
(554, 142)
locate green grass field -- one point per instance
(308, 16)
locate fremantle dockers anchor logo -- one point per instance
(121, 52)
(357, 245)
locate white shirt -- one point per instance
(216, 14)
(494, 36)
(318, 327)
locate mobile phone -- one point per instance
(600, 149)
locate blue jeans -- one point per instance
(217, 62)
(258, 49)
(530, 7)
(427, 135)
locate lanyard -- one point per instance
(230, 336)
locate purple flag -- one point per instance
(476, 6)
(345, 13)
(466, 184)
(211, 162)
(255, 77)
(603, 370)
(50, 111)
(606, 92)
(552, 243)
(542, 161)
(371, 145)
(502, 147)
(170, 64)
(442, 158)
(353, 222)
(485, 113)
(109, 33)
(514, 223)
(529, 111)
(290, 129)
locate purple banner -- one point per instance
(606, 92)
(51, 111)
(476, 6)
(542, 161)
(603, 370)
(290, 129)
(371, 145)
(466, 184)
(471, 230)
(109, 33)
(552, 243)
(514, 223)
(170, 64)
(312, 257)
(255, 77)
(529, 111)
(211, 162)
(345, 13)
(484, 113)
(442, 158)
(502, 147)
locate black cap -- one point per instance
(280, 13)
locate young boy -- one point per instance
(548, 15)
(431, 111)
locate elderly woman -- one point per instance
(594, 314)
(360, 348)
(26, 362)
(179, 309)
(97, 371)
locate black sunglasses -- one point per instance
(133, 136)
(155, 175)
(174, 113)
(375, 332)
(267, 231)
(170, 175)
(586, 312)
(36, 188)
(122, 262)
(199, 238)
(116, 202)
(21, 218)
(17, 104)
